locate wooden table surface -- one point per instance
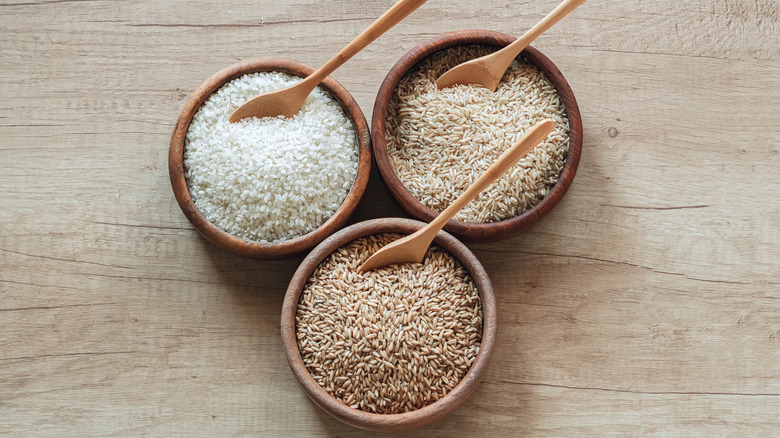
(647, 303)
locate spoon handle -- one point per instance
(512, 155)
(390, 18)
(563, 9)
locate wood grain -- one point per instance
(647, 303)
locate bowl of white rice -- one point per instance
(431, 144)
(395, 348)
(272, 187)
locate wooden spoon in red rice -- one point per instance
(489, 69)
(412, 248)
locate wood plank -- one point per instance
(647, 303)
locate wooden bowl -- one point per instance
(389, 422)
(464, 230)
(254, 249)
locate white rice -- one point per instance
(441, 141)
(269, 179)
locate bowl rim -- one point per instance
(389, 422)
(256, 249)
(482, 232)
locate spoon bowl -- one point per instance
(484, 71)
(286, 102)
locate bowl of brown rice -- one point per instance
(272, 187)
(395, 348)
(431, 144)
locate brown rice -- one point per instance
(440, 141)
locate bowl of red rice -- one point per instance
(395, 348)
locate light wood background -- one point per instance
(648, 303)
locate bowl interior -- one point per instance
(388, 422)
(483, 232)
(254, 249)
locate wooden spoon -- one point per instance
(288, 101)
(412, 248)
(488, 70)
